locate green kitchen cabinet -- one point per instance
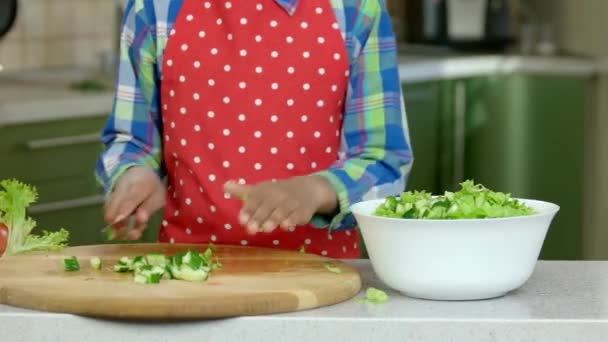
(58, 158)
(524, 135)
(49, 151)
(517, 133)
(424, 108)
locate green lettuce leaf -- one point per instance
(472, 201)
(373, 295)
(15, 198)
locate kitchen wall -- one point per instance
(397, 10)
(59, 33)
(580, 25)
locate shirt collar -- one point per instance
(288, 5)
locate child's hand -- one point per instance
(138, 191)
(285, 203)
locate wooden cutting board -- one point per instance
(252, 281)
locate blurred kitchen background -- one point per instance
(513, 94)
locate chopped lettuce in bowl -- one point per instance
(472, 201)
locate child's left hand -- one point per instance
(284, 203)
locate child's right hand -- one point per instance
(140, 192)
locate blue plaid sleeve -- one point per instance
(131, 136)
(375, 157)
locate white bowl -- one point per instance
(464, 259)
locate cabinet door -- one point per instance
(43, 152)
(58, 158)
(524, 135)
(452, 135)
(423, 106)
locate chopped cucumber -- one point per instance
(125, 261)
(186, 265)
(187, 257)
(96, 263)
(140, 279)
(148, 274)
(156, 259)
(138, 262)
(71, 264)
(194, 260)
(121, 268)
(138, 259)
(154, 278)
(108, 233)
(185, 272)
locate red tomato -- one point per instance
(3, 238)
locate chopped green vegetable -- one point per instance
(96, 263)
(15, 198)
(155, 259)
(148, 274)
(332, 268)
(209, 259)
(71, 264)
(191, 266)
(193, 260)
(137, 263)
(302, 249)
(472, 201)
(140, 279)
(185, 272)
(108, 233)
(121, 268)
(216, 265)
(373, 295)
(185, 265)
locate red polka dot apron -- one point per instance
(249, 93)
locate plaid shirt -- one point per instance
(375, 155)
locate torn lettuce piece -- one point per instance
(332, 268)
(15, 198)
(472, 201)
(373, 295)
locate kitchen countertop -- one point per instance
(44, 95)
(563, 301)
(416, 69)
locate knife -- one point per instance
(109, 231)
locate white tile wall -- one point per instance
(59, 33)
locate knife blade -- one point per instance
(109, 231)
